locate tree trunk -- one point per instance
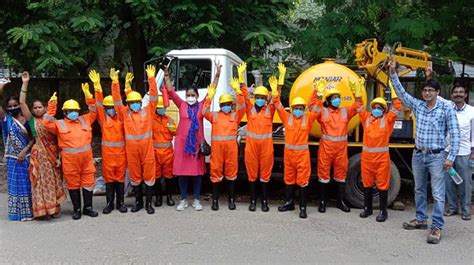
(138, 54)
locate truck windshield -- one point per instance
(192, 72)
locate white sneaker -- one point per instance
(183, 204)
(197, 205)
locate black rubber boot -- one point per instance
(340, 197)
(323, 191)
(158, 193)
(368, 192)
(169, 189)
(120, 191)
(87, 210)
(231, 187)
(383, 215)
(289, 204)
(138, 199)
(149, 191)
(109, 196)
(303, 203)
(264, 196)
(253, 196)
(215, 196)
(76, 203)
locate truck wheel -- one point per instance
(355, 190)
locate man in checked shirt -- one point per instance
(434, 120)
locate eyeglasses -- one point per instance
(428, 90)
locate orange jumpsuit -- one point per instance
(224, 149)
(74, 140)
(114, 157)
(163, 147)
(139, 136)
(259, 143)
(333, 143)
(375, 162)
(297, 162)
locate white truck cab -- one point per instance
(196, 67)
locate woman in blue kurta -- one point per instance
(17, 141)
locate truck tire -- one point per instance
(355, 190)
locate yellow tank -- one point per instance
(338, 77)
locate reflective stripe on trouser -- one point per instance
(259, 159)
(297, 167)
(224, 160)
(77, 149)
(141, 162)
(375, 169)
(78, 169)
(332, 154)
(162, 145)
(164, 162)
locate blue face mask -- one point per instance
(73, 115)
(111, 112)
(377, 113)
(135, 106)
(226, 109)
(298, 113)
(260, 102)
(161, 111)
(336, 102)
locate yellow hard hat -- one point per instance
(134, 96)
(225, 98)
(330, 92)
(71, 105)
(298, 101)
(380, 101)
(108, 101)
(261, 90)
(160, 103)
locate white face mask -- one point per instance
(191, 100)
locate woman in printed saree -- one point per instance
(45, 173)
(17, 140)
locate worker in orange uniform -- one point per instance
(375, 163)
(259, 145)
(224, 149)
(164, 129)
(297, 162)
(332, 150)
(138, 125)
(114, 159)
(74, 134)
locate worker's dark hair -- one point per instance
(464, 85)
(432, 83)
(193, 88)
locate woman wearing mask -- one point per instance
(45, 173)
(188, 164)
(17, 140)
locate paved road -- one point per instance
(229, 237)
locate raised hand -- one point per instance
(211, 91)
(273, 85)
(234, 83)
(150, 71)
(25, 77)
(241, 71)
(53, 98)
(114, 75)
(282, 72)
(85, 90)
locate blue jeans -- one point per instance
(422, 164)
(183, 186)
(463, 167)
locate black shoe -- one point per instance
(340, 198)
(368, 192)
(138, 199)
(76, 203)
(87, 210)
(215, 196)
(382, 216)
(323, 197)
(253, 196)
(289, 205)
(264, 197)
(110, 196)
(303, 212)
(158, 193)
(149, 190)
(119, 189)
(303, 199)
(231, 187)
(169, 188)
